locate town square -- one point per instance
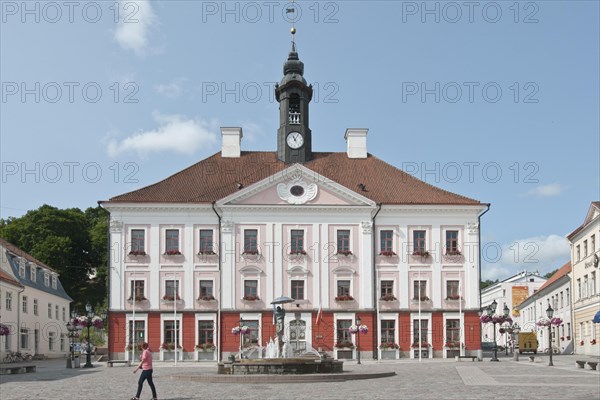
(299, 199)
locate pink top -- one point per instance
(146, 360)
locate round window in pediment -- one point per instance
(297, 190)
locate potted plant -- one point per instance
(169, 346)
(415, 345)
(344, 297)
(451, 344)
(388, 297)
(138, 347)
(389, 346)
(568, 337)
(453, 253)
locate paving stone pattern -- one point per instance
(430, 379)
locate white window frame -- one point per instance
(394, 239)
(395, 288)
(32, 273)
(21, 268)
(8, 302)
(350, 238)
(35, 307)
(411, 237)
(253, 274)
(143, 278)
(461, 327)
(215, 245)
(288, 246)
(46, 279)
(258, 238)
(211, 279)
(388, 317)
(415, 278)
(253, 317)
(54, 282)
(51, 341)
(424, 316)
(445, 283)
(336, 317)
(343, 273)
(130, 237)
(138, 318)
(206, 318)
(179, 286)
(298, 273)
(24, 308)
(49, 310)
(169, 317)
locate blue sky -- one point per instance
(493, 100)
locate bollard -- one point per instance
(515, 356)
(479, 355)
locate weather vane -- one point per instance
(292, 10)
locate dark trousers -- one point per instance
(146, 375)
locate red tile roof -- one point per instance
(17, 251)
(564, 270)
(8, 278)
(215, 178)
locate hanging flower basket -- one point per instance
(496, 319)
(236, 330)
(4, 330)
(548, 322)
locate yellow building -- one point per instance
(585, 287)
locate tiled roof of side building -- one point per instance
(562, 271)
(216, 177)
(9, 279)
(15, 250)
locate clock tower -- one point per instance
(294, 144)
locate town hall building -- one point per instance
(346, 236)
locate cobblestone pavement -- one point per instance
(430, 379)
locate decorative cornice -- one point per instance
(116, 226)
(367, 226)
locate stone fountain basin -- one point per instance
(279, 366)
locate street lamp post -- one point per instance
(550, 313)
(358, 321)
(506, 311)
(89, 321)
(241, 339)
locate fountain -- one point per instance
(279, 355)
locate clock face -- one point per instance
(295, 140)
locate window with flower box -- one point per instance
(420, 290)
(171, 290)
(137, 333)
(297, 289)
(452, 292)
(138, 242)
(136, 290)
(206, 332)
(387, 290)
(452, 333)
(386, 242)
(343, 335)
(206, 242)
(206, 290)
(343, 241)
(419, 242)
(171, 332)
(343, 289)
(172, 242)
(250, 241)
(388, 331)
(452, 243)
(250, 289)
(297, 241)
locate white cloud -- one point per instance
(170, 90)
(175, 133)
(136, 19)
(539, 253)
(550, 190)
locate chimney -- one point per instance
(232, 138)
(356, 140)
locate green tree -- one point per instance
(549, 274)
(71, 241)
(486, 283)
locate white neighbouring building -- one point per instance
(556, 292)
(344, 233)
(33, 304)
(585, 285)
(512, 292)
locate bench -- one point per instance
(110, 363)
(473, 358)
(580, 364)
(531, 358)
(17, 369)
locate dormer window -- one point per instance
(32, 270)
(46, 279)
(22, 269)
(53, 282)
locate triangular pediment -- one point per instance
(592, 213)
(296, 186)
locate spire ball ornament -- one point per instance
(293, 30)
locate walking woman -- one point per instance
(146, 366)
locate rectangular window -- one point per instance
(171, 332)
(387, 290)
(24, 304)
(419, 243)
(388, 331)
(63, 343)
(561, 300)
(585, 286)
(578, 252)
(585, 253)
(32, 270)
(452, 243)
(138, 335)
(251, 338)
(452, 332)
(344, 337)
(420, 331)
(50, 310)
(206, 290)
(55, 312)
(343, 241)
(568, 329)
(452, 292)
(35, 307)
(206, 333)
(593, 243)
(8, 301)
(420, 290)
(592, 283)
(64, 314)
(46, 279)
(54, 282)
(136, 290)
(297, 289)
(297, 241)
(171, 290)
(567, 296)
(251, 241)
(24, 338)
(22, 269)
(386, 243)
(206, 241)
(51, 341)
(172, 242)
(578, 288)
(138, 242)
(343, 288)
(250, 289)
